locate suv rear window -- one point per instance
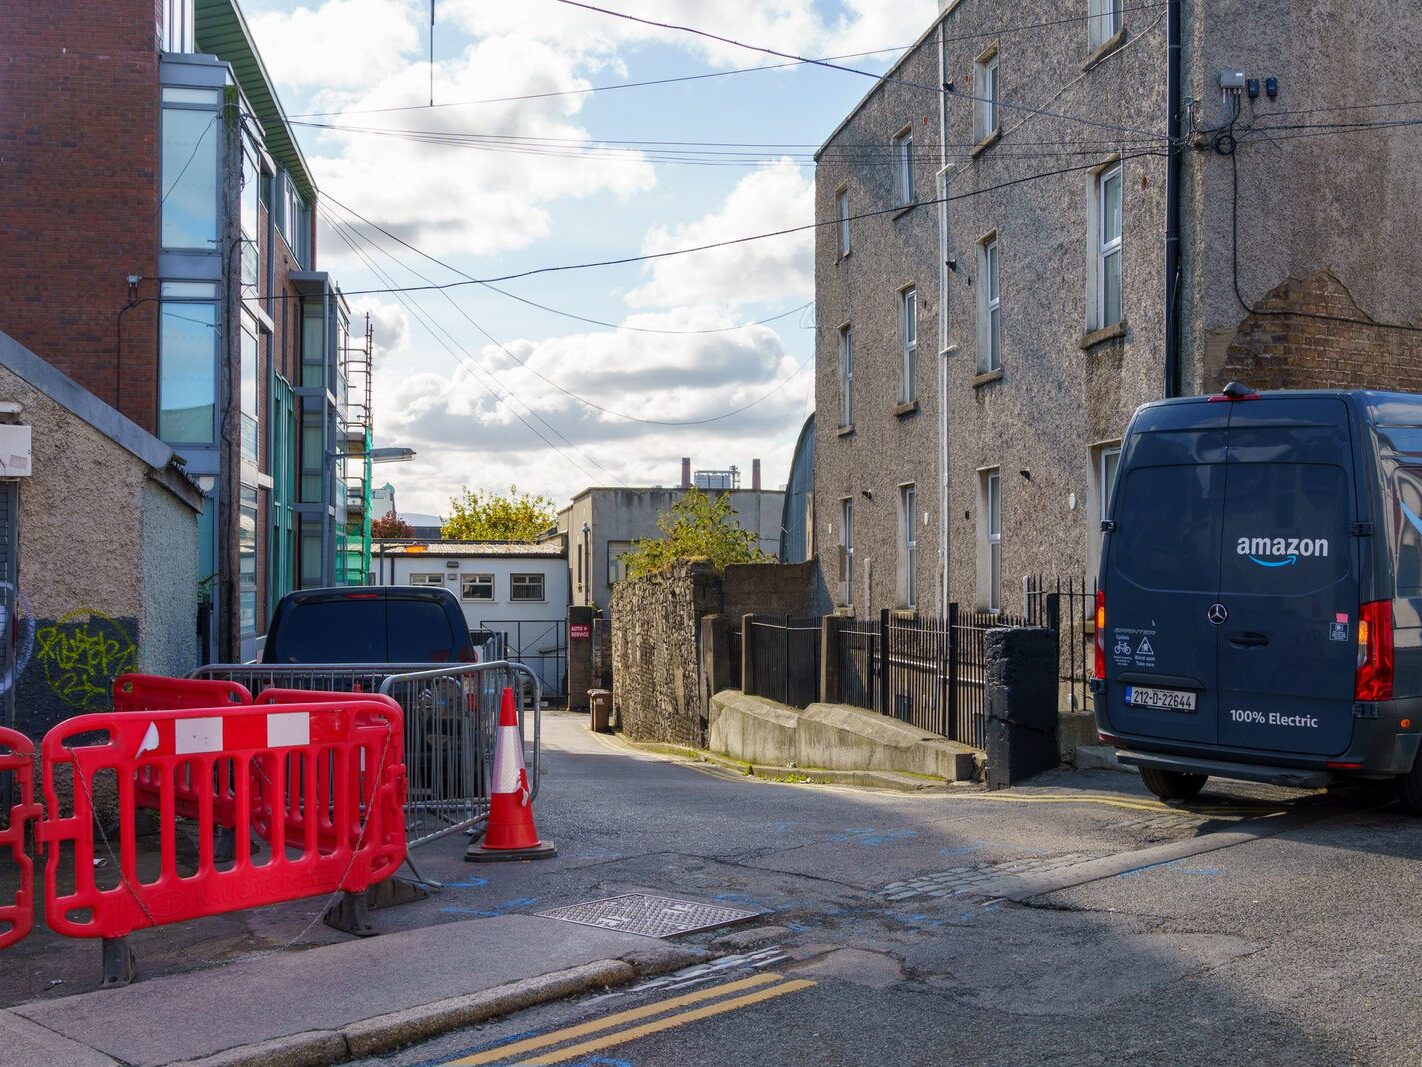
(1170, 521)
(332, 631)
(418, 632)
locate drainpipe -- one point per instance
(1173, 78)
(942, 591)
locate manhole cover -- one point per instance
(637, 913)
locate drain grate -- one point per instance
(638, 913)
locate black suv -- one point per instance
(369, 624)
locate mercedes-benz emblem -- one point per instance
(1217, 614)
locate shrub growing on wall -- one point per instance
(697, 527)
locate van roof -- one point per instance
(1377, 406)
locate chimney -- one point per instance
(755, 474)
(686, 472)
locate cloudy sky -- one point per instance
(490, 389)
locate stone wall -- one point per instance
(656, 676)
(660, 690)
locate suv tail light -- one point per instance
(1374, 677)
(1100, 671)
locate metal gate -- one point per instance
(541, 645)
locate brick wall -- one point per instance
(79, 144)
(1284, 346)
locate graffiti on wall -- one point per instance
(81, 654)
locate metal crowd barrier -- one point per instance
(451, 716)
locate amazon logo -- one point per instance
(1280, 551)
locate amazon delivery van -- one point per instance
(1259, 613)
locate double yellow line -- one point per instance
(717, 1000)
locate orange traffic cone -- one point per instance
(510, 834)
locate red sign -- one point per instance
(578, 630)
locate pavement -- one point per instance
(1074, 918)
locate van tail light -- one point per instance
(1374, 677)
(1100, 671)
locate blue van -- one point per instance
(1259, 613)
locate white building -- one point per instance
(514, 589)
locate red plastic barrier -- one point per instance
(155, 692)
(348, 779)
(17, 757)
(294, 788)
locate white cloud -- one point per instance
(342, 43)
(791, 26)
(775, 197)
(465, 435)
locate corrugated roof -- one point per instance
(471, 549)
(222, 31)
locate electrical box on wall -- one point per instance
(15, 452)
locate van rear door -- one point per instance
(1288, 578)
(1161, 574)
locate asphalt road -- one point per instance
(885, 937)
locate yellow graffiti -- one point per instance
(81, 655)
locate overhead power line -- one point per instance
(594, 405)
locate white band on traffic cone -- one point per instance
(509, 773)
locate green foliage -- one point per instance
(697, 527)
(476, 516)
(390, 527)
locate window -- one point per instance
(616, 569)
(1408, 571)
(249, 390)
(985, 89)
(846, 551)
(841, 212)
(476, 587)
(1108, 247)
(189, 197)
(251, 194)
(908, 333)
(846, 376)
(187, 385)
(293, 218)
(903, 167)
(427, 579)
(247, 560)
(1104, 21)
(989, 307)
(525, 587)
(178, 25)
(1107, 462)
(908, 545)
(990, 562)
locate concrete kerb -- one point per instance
(899, 781)
(385, 1033)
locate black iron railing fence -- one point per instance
(784, 658)
(1066, 606)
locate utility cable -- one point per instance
(544, 307)
(593, 404)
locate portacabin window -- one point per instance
(989, 306)
(903, 168)
(841, 214)
(986, 92)
(1103, 21)
(428, 578)
(908, 336)
(1109, 190)
(476, 587)
(525, 588)
(846, 375)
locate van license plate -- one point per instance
(1167, 699)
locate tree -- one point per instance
(696, 527)
(390, 527)
(476, 516)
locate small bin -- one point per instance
(600, 710)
